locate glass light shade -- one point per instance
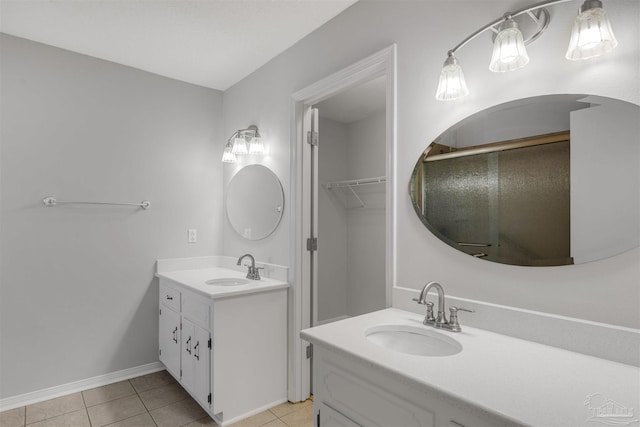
(240, 146)
(591, 35)
(452, 85)
(256, 146)
(509, 52)
(227, 154)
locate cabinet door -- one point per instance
(169, 340)
(329, 417)
(195, 361)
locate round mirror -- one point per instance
(544, 181)
(255, 202)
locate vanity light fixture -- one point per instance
(227, 154)
(239, 145)
(243, 141)
(509, 52)
(591, 36)
(452, 84)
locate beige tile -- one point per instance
(276, 423)
(142, 420)
(178, 414)
(288, 407)
(12, 417)
(54, 407)
(301, 418)
(116, 410)
(71, 419)
(203, 422)
(256, 420)
(163, 396)
(155, 380)
(107, 393)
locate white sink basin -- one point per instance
(228, 281)
(419, 341)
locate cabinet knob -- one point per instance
(169, 297)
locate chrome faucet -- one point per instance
(440, 321)
(253, 272)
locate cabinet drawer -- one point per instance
(170, 297)
(196, 309)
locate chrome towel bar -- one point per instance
(51, 201)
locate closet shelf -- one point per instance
(355, 183)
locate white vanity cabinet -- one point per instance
(184, 342)
(195, 361)
(350, 392)
(227, 348)
(169, 339)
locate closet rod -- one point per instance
(51, 201)
(356, 182)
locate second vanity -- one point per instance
(223, 336)
(483, 379)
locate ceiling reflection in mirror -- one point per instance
(545, 181)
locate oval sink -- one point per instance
(413, 340)
(228, 281)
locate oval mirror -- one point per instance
(543, 181)
(255, 202)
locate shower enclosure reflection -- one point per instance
(479, 201)
(544, 181)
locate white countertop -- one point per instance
(522, 380)
(195, 280)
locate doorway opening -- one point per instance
(351, 210)
(343, 202)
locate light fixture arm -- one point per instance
(251, 131)
(508, 15)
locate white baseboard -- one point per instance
(76, 386)
(248, 414)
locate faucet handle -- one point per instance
(429, 317)
(453, 317)
(418, 300)
(454, 310)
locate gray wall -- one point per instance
(366, 227)
(77, 293)
(605, 291)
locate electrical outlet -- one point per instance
(192, 235)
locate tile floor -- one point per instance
(154, 400)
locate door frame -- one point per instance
(381, 63)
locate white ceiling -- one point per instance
(211, 43)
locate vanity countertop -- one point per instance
(195, 279)
(525, 381)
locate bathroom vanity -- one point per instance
(480, 378)
(223, 338)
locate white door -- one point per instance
(169, 340)
(195, 361)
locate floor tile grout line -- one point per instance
(128, 418)
(86, 410)
(153, 420)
